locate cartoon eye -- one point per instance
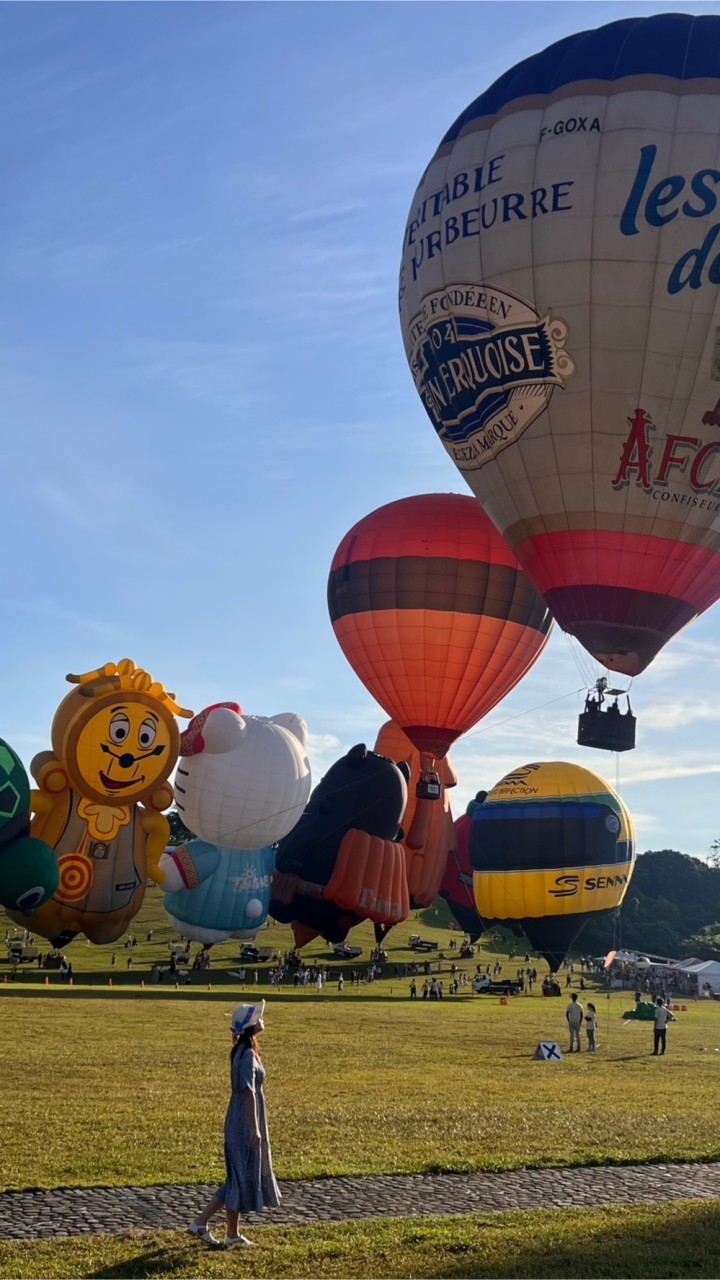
(30, 898)
(119, 727)
(147, 734)
(612, 822)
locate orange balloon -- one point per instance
(434, 614)
(426, 858)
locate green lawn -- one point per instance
(124, 1086)
(640, 1243)
(101, 1088)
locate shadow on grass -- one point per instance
(659, 1252)
(199, 991)
(475, 1248)
(153, 1262)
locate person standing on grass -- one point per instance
(662, 1017)
(574, 1014)
(250, 1184)
(591, 1026)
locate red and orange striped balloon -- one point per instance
(434, 614)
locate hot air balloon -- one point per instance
(551, 845)
(343, 862)
(560, 311)
(434, 615)
(115, 741)
(242, 783)
(29, 873)
(425, 858)
(457, 883)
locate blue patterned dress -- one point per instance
(250, 1186)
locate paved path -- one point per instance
(27, 1215)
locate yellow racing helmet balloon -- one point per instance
(552, 845)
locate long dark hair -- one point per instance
(247, 1040)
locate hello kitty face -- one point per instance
(242, 782)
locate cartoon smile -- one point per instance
(113, 784)
(126, 761)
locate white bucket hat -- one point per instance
(247, 1015)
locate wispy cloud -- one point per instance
(681, 712)
(51, 609)
(228, 376)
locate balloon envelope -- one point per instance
(343, 862)
(457, 882)
(242, 781)
(232, 901)
(559, 308)
(434, 615)
(551, 845)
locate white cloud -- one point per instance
(681, 712)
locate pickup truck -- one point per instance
(416, 943)
(483, 984)
(255, 955)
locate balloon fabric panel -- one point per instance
(369, 878)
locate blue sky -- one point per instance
(202, 379)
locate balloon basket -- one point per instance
(610, 730)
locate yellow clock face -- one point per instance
(124, 750)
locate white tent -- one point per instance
(705, 971)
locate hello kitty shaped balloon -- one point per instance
(242, 781)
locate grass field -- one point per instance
(118, 1085)
(642, 1243)
(103, 1088)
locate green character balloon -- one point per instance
(28, 867)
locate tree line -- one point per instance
(671, 908)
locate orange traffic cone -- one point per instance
(142, 984)
(109, 982)
(72, 982)
(5, 977)
(47, 981)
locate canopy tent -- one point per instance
(706, 971)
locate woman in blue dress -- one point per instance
(250, 1184)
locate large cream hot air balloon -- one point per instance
(560, 312)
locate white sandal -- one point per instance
(203, 1232)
